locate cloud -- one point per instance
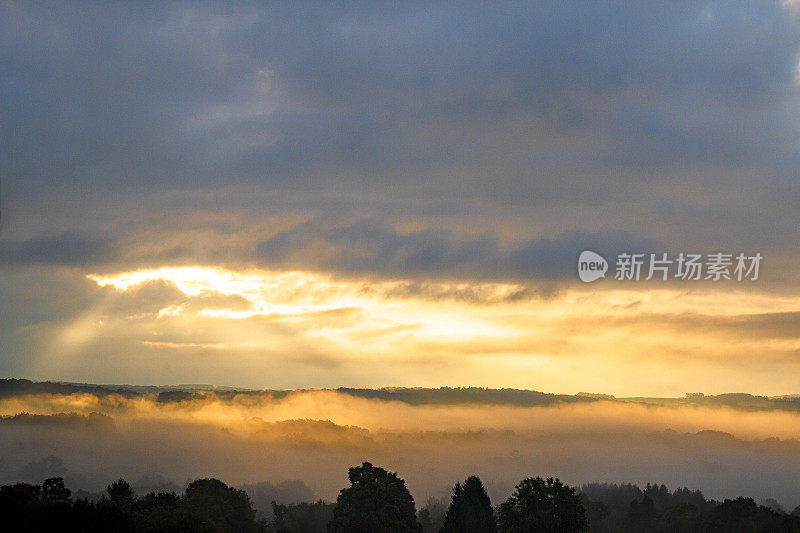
(538, 119)
(373, 247)
(68, 249)
(444, 148)
(211, 325)
(764, 326)
(545, 101)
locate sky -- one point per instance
(371, 194)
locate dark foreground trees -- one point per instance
(304, 516)
(208, 506)
(225, 508)
(29, 507)
(546, 506)
(470, 509)
(626, 508)
(379, 502)
(120, 494)
(376, 500)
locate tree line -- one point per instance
(10, 387)
(379, 501)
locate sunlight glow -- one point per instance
(488, 333)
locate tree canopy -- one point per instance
(546, 506)
(378, 501)
(121, 494)
(470, 509)
(375, 501)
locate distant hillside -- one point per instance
(736, 400)
(460, 395)
(409, 395)
(20, 387)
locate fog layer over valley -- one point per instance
(299, 444)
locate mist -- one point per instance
(298, 445)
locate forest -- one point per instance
(379, 501)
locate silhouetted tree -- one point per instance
(224, 508)
(743, 514)
(470, 509)
(596, 513)
(120, 494)
(376, 501)
(54, 491)
(431, 517)
(27, 507)
(607, 504)
(18, 505)
(160, 512)
(773, 504)
(681, 518)
(152, 500)
(692, 497)
(543, 506)
(100, 518)
(641, 515)
(305, 517)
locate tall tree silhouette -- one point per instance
(376, 501)
(470, 509)
(546, 506)
(121, 494)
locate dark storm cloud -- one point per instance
(621, 108)
(369, 246)
(540, 103)
(62, 249)
(556, 257)
(166, 94)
